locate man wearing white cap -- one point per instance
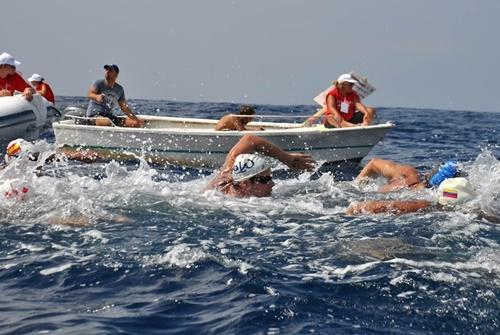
(343, 107)
(42, 87)
(10, 80)
(247, 173)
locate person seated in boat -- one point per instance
(236, 122)
(452, 194)
(42, 87)
(400, 176)
(104, 95)
(10, 80)
(246, 171)
(343, 108)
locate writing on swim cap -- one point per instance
(248, 165)
(447, 170)
(243, 166)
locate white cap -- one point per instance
(454, 191)
(5, 58)
(16, 148)
(35, 77)
(248, 165)
(346, 77)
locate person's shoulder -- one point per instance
(334, 90)
(16, 76)
(118, 86)
(227, 117)
(99, 83)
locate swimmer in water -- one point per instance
(451, 194)
(247, 172)
(400, 176)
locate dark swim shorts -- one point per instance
(357, 118)
(117, 121)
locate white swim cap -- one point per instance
(454, 191)
(17, 147)
(248, 165)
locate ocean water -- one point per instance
(136, 249)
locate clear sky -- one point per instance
(429, 53)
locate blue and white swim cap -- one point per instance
(248, 165)
(447, 170)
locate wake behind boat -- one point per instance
(193, 142)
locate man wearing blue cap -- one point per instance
(104, 95)
(400, 175)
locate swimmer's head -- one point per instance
(455, 191)
(248, 165)
(441, 172)
(19, 147)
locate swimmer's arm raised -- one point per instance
(251, 144)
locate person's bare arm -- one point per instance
(250, 144)
(238, 124)
(43, 91)
(5, 93)
(28, 93)
(387, 206)
(229, 122)
(334, 116)
(367, 118)
(314, 117)
(94, 95)
(127, 111)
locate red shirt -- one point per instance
(49, 94)
(13, 82)
(349, 100)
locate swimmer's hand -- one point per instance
(300, 161)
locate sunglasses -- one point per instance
(261, 179)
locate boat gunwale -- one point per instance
(293, 130)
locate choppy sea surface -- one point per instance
(106, 248)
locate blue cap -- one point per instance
(447, 170)
(113, 67)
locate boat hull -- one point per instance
(22, 119)
(192, 142)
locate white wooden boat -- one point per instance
(193, 142)
(20, 118)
